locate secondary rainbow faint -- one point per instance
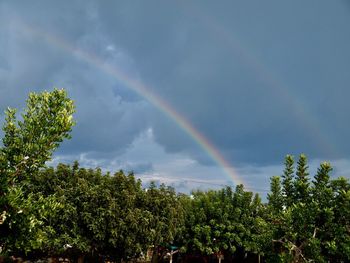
(273, 82)
(141, 89)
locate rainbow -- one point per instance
(141, 89)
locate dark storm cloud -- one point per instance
(29, 61)
(258, 79)
(107, 120)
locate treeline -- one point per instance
(84, 214)
(90, 214)
(94, 215)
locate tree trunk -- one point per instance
(155, 257)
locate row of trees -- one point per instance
(83, 213)
(98, 215)
(77, 212)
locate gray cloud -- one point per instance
(248, 82)
(107, 121)
(259, 80)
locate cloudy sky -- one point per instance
(196, 94)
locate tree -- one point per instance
(275, 198)
(302, 184)
(103, 216)
(340, 245)
(315, 226)
(27, 144)
(129, 219)
(287, 182)
(225, 221)
(165, 216)
(322, 191)
(322, 200)
(293, 224)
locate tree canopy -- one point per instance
(27, 144)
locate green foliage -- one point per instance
(27, 144)
(224, 221)
(314, 222)
(30, 142)
(302, 184)
(275, 198)
(287, 182)
(103, 214)
(165, 216)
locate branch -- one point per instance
(314, 235)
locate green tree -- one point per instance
(322, 191)
(293, 225)
(322, 195)
(315, 227)
(339, 246)
(287, 181)
(225, 221)
(166, 216)
(103, 215)
(302, 183)
(275, 198)
(27, 144)
(129, 220)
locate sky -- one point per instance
(195, 94)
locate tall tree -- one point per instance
(287, 181)
(339, 246)
(165, 216)
(302, 183)
(316, 226)
(322, 191)
(27, 144)
(275, 198)
(322, 195)
(226, 222)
